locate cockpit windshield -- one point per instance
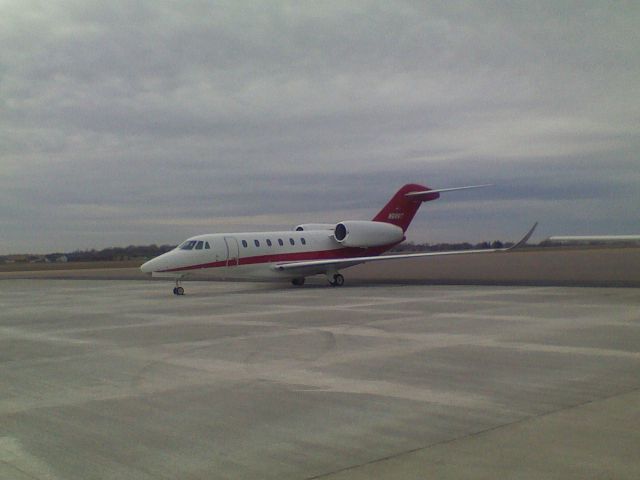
(188, 245)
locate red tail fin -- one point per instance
(400, 210)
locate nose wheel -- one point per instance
(338, 280)
(178, 290)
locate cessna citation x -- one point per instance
(310, 249)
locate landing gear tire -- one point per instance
(338, 280)
(298, 282)
(178, 290)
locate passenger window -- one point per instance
(206, 246)
(291, 241)
(303, 241)
(257, 243)
(244, 243)
(269, 241)
(199, 245)
(280, 242)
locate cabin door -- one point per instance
(233, 251)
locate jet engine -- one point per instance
(357, 233)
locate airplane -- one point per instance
(310, 249)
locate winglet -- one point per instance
(524, 239)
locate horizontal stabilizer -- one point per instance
(429, 194)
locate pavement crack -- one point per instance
(472, 434)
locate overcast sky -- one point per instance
(138, 122)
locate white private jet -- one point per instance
(310, 249)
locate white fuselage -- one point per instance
(250, 255)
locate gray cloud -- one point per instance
(138, 122)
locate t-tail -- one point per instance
(402, 207)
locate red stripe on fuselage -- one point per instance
(336, 254)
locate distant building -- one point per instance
(593, 240)
(56, 258)
(17, 259)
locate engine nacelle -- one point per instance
(357, 233)
(314, 226)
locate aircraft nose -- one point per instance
(158, 264)
(147, 267)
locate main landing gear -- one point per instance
(178, 290)
(336, 280)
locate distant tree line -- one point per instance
(132, 252)
(443, 247)
(150, 251)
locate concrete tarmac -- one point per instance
(122, 380)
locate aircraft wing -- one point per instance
(309, 267)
